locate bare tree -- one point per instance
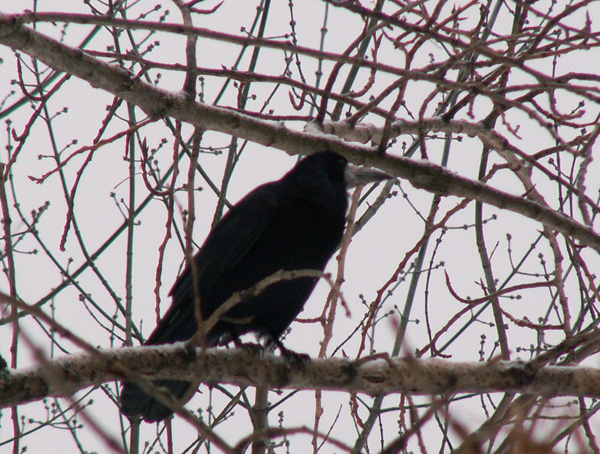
(461, 312)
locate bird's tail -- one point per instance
(135, 402)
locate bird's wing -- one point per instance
(232, 237)
(226, 245)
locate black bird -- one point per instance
(294, 223)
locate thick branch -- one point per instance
(158, 102)
(65, 376)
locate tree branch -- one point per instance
(376, 375)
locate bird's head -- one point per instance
(338, 170)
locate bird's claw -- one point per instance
(295, 358)
(254, 349)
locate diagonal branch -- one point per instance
(158, 102)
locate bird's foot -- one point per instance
(254, 349)
(295, 358)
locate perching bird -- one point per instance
(295, 223)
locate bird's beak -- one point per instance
(356, 176)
